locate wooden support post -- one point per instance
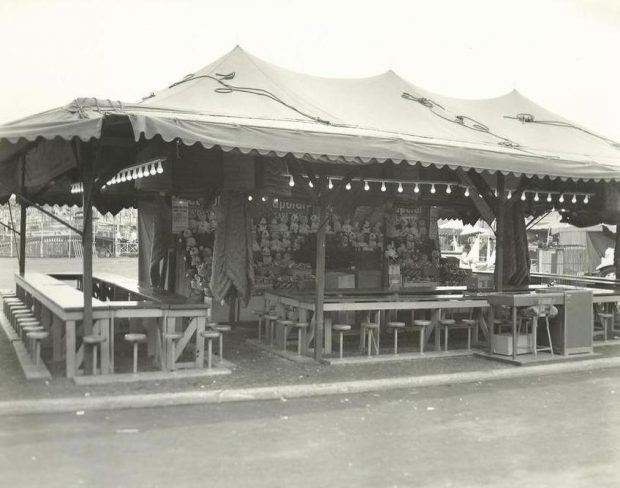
(87, 239)
(499, 233)
(617, 252)
(22, 221)
(320, 283)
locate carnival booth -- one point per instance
(310, 207)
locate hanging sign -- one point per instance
(180, 215)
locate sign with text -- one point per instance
(180, 215)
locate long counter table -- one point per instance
(59, 305)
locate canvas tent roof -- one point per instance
(242, 102)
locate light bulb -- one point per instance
(383, 188)
(153, 170)
(275, 200)
(448, 189)
(264, 198)
(366, 186)
(495, 192)
(113, 180)
(433, 188)
(523, 197)
(586, 199)
(310, 184)
(509, 194)
(466, 191)
(549, 197)
(128, 175)
(400, 188)
(160, 168)
(536, 198)
(348, 186)
(123, 177)
(291, 182)
(140, 172)
(330, 185)
(561, 199)
(250, 198)
(416, 189)
(134, 174)
(574, 200)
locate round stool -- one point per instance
(396, 326)
(606, 321)
(37, 337)
(341, 329)
(32, 328)
(20, 315)
(270, 321)
(173, 337)
(465, 324)
(285, 323)
(260, 314)
(135, 339)
(369, 329)
(421, 326)
(300, 326)
(94, 340)
(24, 322)
(222, 328)
(209, 335)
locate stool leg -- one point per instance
(395, 341)
(369, 340)
(260, 326)
(173, 358)
(549, 336)
(209, 353)
(299, 341)
(37, 353)
(341, 333)
(221, 347)
(271, 323)
(135, 358)
(285, 330)
(421, 340)
(94, 359)
(469, 338)
(445, 338)
(535, 336)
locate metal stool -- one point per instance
(173, 337)
(372, 338)
(209, 335)
(606, 321)
(270, 321)
(261, 316)
(222, 328)
(341, 328)
(451, 324)
(300, 326)
(285, 323)
(37, 337)
(421, 325)
(396, 326)
(135, 339)
(94, 340)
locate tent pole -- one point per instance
(617, 252)
(499, 233)
(22, 221)
(320, 283)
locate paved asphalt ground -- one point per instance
(550, 431)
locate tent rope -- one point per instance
(228, 88)
(462, 120)
(526, 118)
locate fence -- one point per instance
(67, 246)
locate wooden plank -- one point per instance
(499, 234)
(320, 283)
(70, 349)
(200, 341)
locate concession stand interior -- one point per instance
(305, 210)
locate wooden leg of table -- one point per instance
(303, 317)
(105, 346)
(112, 345)
(491, 319)
(56, 329)
(70, 346)
(515, 338)
(327, 338)
(422, 340)
(200, 342)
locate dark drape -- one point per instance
(516, 254)
(154, 227)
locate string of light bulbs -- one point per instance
(152, 168)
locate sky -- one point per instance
(563, 54)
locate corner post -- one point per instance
(87, 165)
(23, 207)
(499, 233)
(320, 283)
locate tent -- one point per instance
(240, 105)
